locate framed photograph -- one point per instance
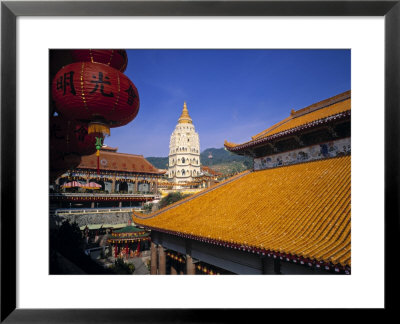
(365, 33)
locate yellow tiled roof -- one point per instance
(318, 111)
(294, 121)
(302, 210)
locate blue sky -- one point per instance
(230, 94)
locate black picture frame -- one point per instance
(10, 10)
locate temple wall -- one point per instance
(94, 218)
(305, 154)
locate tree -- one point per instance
(120, 267)
(67, 241)
(171, 198)
(147, 208)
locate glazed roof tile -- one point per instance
(302, 210)
(122, 162)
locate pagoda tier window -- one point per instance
(183, 172)
(183, 160)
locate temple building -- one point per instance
(128, 242)
(123, 180)
(184, 151)
(291, 214)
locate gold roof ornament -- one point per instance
(185, 118)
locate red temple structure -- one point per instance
(124, 179)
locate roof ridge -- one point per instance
(322, 104)
(265, 137)
(121, 153)
(284, 121)
(307, 110)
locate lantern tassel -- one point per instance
(98, 161)
(98, 128)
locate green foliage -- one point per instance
(120, 267)
(171, 198)
(221, 156)
(67, 240)
(158, 162)
(232, 167)
(147, 208)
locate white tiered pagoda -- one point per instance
(184, 150)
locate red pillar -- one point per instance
(190, 266)
(162, 266)
(154, 257)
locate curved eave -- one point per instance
(129, 239)
(94, 170)
(286, 257)
(316, 123)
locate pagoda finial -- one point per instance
(185, 118)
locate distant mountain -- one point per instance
(218, 159)
(214, 156)
(159, 162)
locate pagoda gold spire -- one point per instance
(185, 118)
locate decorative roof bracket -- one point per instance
(332, 131)
(298, 140)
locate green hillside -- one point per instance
(158, 162)
(221, 161)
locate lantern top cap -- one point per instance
(185, 118)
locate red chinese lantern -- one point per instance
(116, 58)
(71, 137)
(84, 143)
(96, 94)
(61, 162)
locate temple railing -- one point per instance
(107, 195)
(63, 211)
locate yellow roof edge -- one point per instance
(236, 177)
